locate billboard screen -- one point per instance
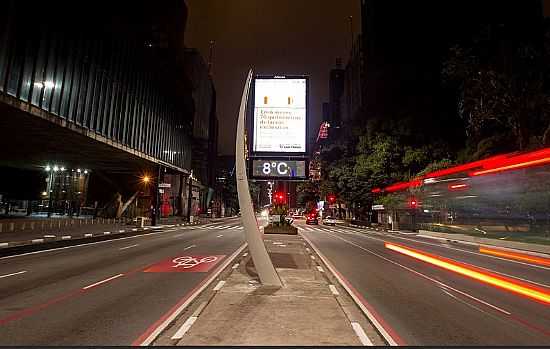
(290, 169)
(280, 115)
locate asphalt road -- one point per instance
(98, 293)
(421, 304)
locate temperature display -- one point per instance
(279, 168)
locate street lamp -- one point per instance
(145, 179)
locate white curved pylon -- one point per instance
(262, 262)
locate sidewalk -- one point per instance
(305, 311)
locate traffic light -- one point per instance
(413, 203)
(331, 198)
(279, 197)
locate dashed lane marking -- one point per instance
(219, 286)
(185, 327)
(188, 247)
(13, 274)
(102, 282)
(333, 290)
(127, 247)
(361, 334)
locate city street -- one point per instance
(110, 292)
(417, 303)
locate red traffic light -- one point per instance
(331, 198)
(279, 197)
(413, 203)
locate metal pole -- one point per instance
(190, 196)
(50, 185)
(262, 262)
(155, 211)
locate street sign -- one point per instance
(185, 264)
(378, 207)
(165, 185)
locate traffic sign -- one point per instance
(165, 185)
(185, 263)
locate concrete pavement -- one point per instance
(416, 303)
(307, 310)
(109, 292)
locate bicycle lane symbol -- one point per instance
(186, 263)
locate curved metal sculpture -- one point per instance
(262, 262)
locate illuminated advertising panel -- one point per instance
(280, 115)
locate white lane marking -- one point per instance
(102, 281)
(4, 244)
(134, 229)
(333, 290)
(185, 327)
(235, 266)
(106, 232)
(179, 235)
(49, 236)
(191, 298)
(188, 247)
(466, 303)
(121, 231)
(312, 257)
(320, 269)
(219, 286)
(362, 306)
(170, 230)
(124, 248)
(36, 241)
(361, 334)
(424, 276)
(65, 237)
(479, 254)
(79, 245)
(245, 254)
(12, 274)
(219, 236)
(240, 228)
(88, 235)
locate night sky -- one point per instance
(273, 37)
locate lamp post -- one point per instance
(50, 187)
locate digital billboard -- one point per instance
(280, 115)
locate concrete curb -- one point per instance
(49, 242)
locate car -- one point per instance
(312, 219)
(329, 220)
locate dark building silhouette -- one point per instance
(336, 89)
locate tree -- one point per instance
(502, 95)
